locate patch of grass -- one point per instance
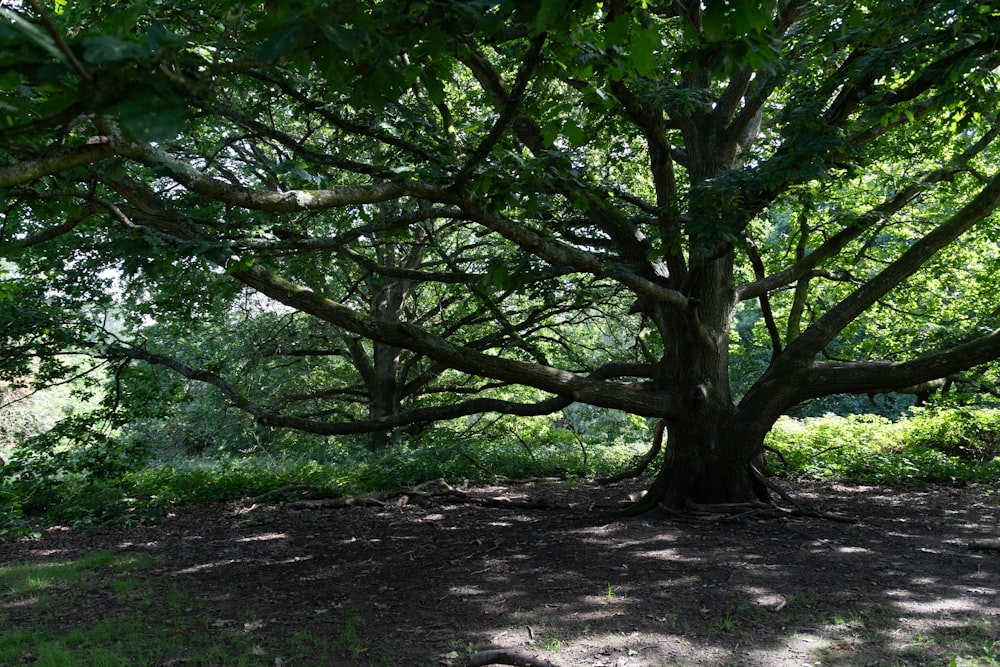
(45, 619)
(349, 637)
(519, 617)
(21, 580)
(739, 614)
(975, 644)
(552, 642)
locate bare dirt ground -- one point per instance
(430, 582)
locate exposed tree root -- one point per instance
(504, 656)
(694, 512)
(644, 462)
(796, 508)
(713, 513)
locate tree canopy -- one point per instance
(450, 207)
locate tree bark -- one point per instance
(709, 460)
(707, 457)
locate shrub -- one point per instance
(928, 445)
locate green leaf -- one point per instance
(549, 14)
(644, 45)
(281, 42)
(152, 118)
(574, 133)
(158, 36)
(435, 89)
(31, 32)
(749, 17)
(100, 49)
(616, 32)
(10, 80)
(713, 21)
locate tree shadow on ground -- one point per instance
(428, 584)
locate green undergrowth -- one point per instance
(108, 481)
(938, 446)
(111, 482)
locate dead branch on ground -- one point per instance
(985, 545)
(335, 503)
(441, 490)
(505, 657)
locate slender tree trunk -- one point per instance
(383, 394)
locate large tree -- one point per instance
(819, 163)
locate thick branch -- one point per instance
(274, 201)
(20, 173)
(631, 397)
(870, 377)
(323, 427)
(558, 254)
(856, 227)
(509, 107)
(821, 332)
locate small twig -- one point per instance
(831, 448)
(479, 465)
(531, 454)
(777, 453)
(64, 48)
(797, 509)
(335, 503)
(583, 447)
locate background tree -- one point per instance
(822, 160)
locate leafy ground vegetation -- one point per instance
(221, 561)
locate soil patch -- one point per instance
(428, 583)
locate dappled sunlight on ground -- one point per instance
(578, 588)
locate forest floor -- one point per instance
(435, 579)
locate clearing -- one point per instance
(432, 580)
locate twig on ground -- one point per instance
(796, 508)
(334, 503)
(442, 489)
(284, 489)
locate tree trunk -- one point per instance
(383, 395)
(710, 446)
(709, 458)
